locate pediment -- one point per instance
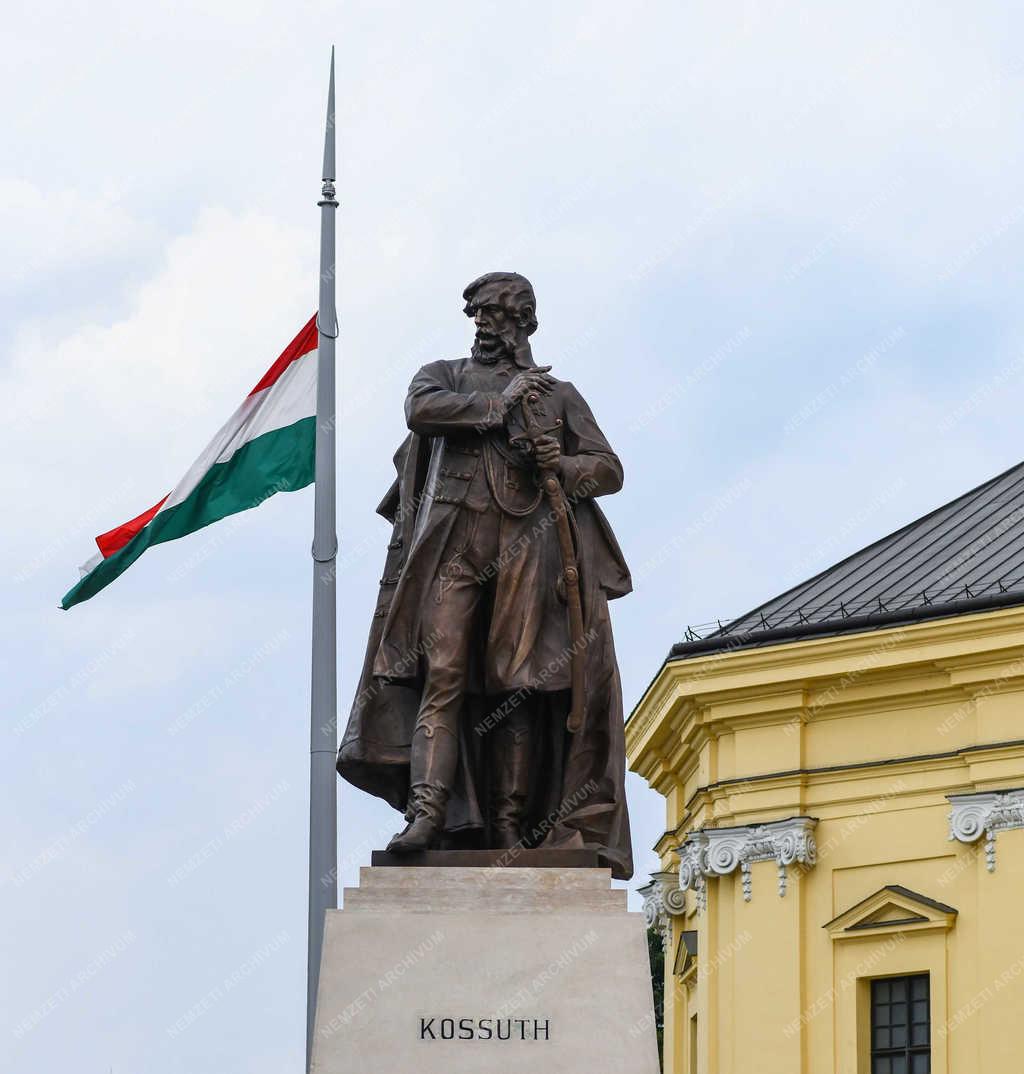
(891, 909)
(892, 913)
(686, 954)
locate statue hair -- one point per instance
(517, 293)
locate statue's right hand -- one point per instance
(529, 380)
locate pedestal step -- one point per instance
(516, 858)
(430, 890)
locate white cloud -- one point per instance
(47, 230)
(119, 410)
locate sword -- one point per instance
(560, 510)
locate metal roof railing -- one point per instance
(837, 610)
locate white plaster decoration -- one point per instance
(745, 879)
(692, 867)
(719, 851)
(663, 900)
(985, 813)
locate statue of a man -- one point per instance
(460, 716)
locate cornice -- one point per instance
(967, 626)
(966, 653)
(978, 633)
(801, 777)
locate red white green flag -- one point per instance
(267, 446)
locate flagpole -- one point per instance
(323, 741)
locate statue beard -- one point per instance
(490, 354)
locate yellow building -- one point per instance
(842, 875)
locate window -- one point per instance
(900, 1025)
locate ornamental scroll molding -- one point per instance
(984, 814)
(663, 901)
(711, 852)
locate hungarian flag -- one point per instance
(267, 446)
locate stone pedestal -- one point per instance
(497, 970)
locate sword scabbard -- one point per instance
(559, 507)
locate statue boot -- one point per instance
(510, 783)
(432, 769)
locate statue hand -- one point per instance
(547, 452)
(529, 380)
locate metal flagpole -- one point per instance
(323, 738)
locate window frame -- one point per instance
(882, 997)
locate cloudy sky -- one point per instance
(777, 246)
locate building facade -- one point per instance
(843, 772)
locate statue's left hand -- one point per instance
(547, 452)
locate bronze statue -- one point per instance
(489, 708)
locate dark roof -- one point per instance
(967, 555)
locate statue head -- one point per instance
(504, 309)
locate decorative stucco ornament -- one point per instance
(985, 814)
(720, 851)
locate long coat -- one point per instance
(458, 434)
